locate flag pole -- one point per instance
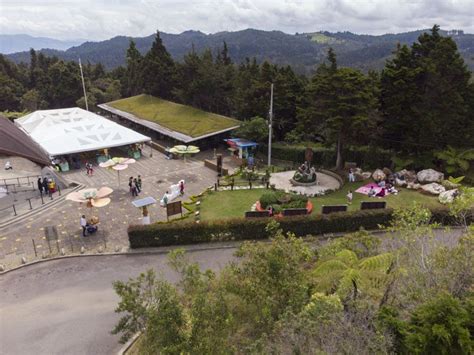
(83, 84)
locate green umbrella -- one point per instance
(184, 150)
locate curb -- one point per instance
(189, 249)
(129, 344)
(151, 252)
(40, 209)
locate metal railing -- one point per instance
(30, 180)
(14, 206)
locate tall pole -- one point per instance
(83, 84)
(270, 121)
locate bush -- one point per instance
(282, 200)
(156, 235)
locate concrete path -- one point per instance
(67, 306)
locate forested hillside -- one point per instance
(301, 51)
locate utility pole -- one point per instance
(83, 84)
(270, 121)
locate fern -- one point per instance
(378, 262)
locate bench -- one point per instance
(333, 208)
(294, 212)
(372, 205)
(257, 214)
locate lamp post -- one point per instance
(270, 121)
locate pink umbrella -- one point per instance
(117, 164)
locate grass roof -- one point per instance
(180, 118)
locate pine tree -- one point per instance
(159, 70)
(134, 70)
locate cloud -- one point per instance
(102, 19)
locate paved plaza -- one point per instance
(158, 173)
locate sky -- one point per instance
(103, 19)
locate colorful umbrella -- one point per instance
(92, 197)
(117, 164)
(184, 150)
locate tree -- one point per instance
(158, 70)
(341, 103)
(255, 129)
(30, 101)
(134, 70)
(440, 326)
(426, 95)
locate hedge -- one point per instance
(158, 234)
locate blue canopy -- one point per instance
(241, 143)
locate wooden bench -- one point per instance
(372, 205)
(257, 214)
(333, 208)
(294, 212)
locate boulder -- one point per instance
(447, 196)
(429, 175)
(357, 171)
(359, 177)
(413, 185)
(399, 182)
(378, 175)
(366, 175)
(433, 188)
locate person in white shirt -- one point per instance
(84, 225)
(349, 197)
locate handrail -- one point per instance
(29, 201)
(17, 179)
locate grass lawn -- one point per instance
(228, 204)
(180, 118)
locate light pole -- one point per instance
(270, 121)
(83, 84)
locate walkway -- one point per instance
(157, 174)
(67, 306)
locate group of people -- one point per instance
(46, 186)
(135, 185)
(386, 187)
(89, 169)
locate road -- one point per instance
(67, 306)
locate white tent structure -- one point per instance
(74, 130)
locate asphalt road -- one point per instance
(67, 306)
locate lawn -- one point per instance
(180, 118)
(228, 204)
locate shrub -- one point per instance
(282, 200)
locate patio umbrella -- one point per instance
(184, 150)
(117, 164)
(92, 197)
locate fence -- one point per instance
(26, 203)
(19, 181)
(241, 183)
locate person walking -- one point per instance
(83, 225)
(137, 186)
(40, 185)
(139, 180)
(351, 176)
(349, 197)
(130, 183)
(181, 187)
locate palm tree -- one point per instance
(456, 160)
(347, 276)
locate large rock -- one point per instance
(400, 182)
(447, 196)
(433, 188)
(429, 175)
(413, 185)
(366, 175)
(387, 171)
(378, 175)
(408, 175)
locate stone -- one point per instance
(447, 196)
(399, 182)
(413, 185)
(83, 250)
(359, 177)
(366, 175)
(357, 171)
(429, 175)
(2, 268)
(433, 188)
(408, 175)
(378, 175)
(23, 260)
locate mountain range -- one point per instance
(17, 43)
(301, 51)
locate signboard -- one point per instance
(173, 208)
